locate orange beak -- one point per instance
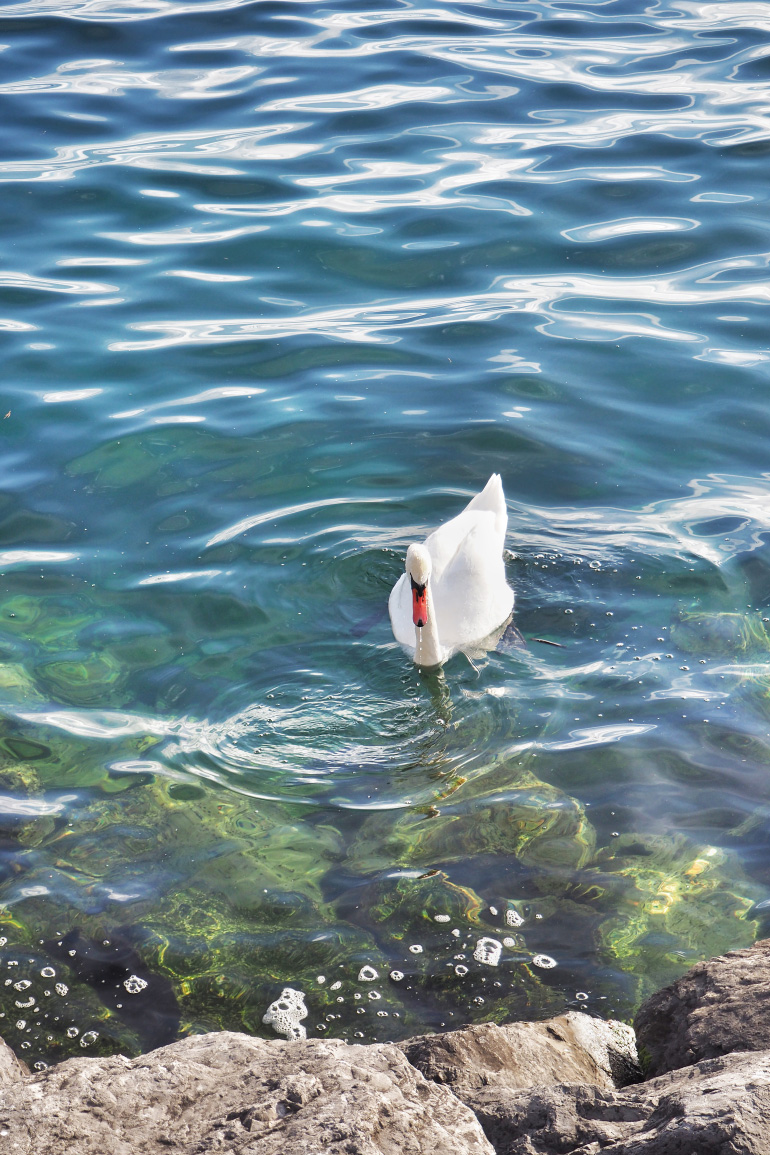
(419, 604)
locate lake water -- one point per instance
(282, 284)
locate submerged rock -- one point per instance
(515, 814)
(673, 900)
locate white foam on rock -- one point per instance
(285, 1013)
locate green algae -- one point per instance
(514, 814)
(674, 902)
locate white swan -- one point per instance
(454, 595)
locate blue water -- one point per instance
(282, 284)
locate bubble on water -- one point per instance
(509, 942)
(24, 1003)
(512, 917)
(22, 985)
(40, 1066)
(545, 961)
(61, 989)
(461, 970)
(21, 1024)
(320, 979)
(493, 910)
(48, 973)
(375, 995)
(367, 974)
(134, 984)
(581, 996)
(360, 1010)
(382, 1014)
(3, 941)
(72, 1032)
(456, 933)
(488, 951)
(335, 986)
(340, 998)
(88, 1038)
(441, 918)
(285, 1013)
(416, 948)
(397, 976)
(479, 1001)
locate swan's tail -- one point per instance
(492, 498)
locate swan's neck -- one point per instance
(427, 647)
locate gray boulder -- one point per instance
(235, 1095)
(717, 1107)
(719, 1006)
(571, 1048)
(11, 1068)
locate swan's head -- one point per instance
(418, 566)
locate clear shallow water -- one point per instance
(281, 286)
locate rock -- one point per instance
(719, 1006)
(717, 1107)
(236, 1095)
(568, 1049)
(11, 1068)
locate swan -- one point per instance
(453, 595)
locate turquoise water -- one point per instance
(282, 284)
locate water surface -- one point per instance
(282, 284)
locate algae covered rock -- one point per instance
(672, 902)
(524, 818)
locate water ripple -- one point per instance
(96, 78)
(567, 303)
(189, 151)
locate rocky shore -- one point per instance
(699, 1084)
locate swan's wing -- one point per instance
(492, 500)
(400, 610)
(473, 598)
(445, 541)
